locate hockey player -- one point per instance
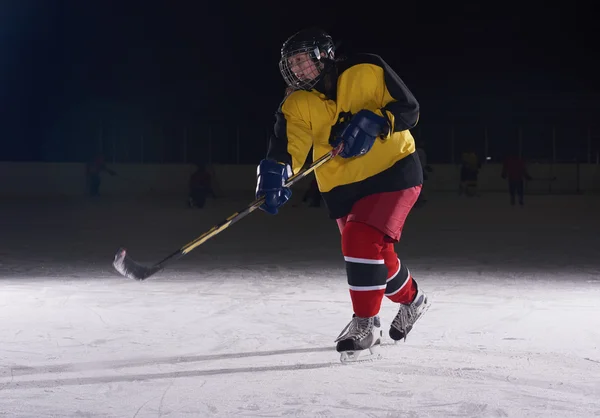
(515, 171)
(369, 187)
(93, 171)
(200, 186)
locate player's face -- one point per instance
(303, 66)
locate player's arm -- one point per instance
(291, 139)
(289, 145)
(108, 170)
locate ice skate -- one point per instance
(407, 316)
(360, 340)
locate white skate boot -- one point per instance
(407, 316)
(360, 338)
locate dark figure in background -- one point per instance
(312, 195)
(200, 187)
(515, 171)
(426, 169)
(93, 171)
(469, 173)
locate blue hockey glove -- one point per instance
(360, 133)
(270, 178)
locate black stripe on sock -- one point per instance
(360, 274)
(397, 282)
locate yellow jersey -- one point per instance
(311, 119)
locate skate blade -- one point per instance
(360, 356)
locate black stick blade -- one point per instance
(129, 268)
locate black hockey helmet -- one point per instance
(302, 47)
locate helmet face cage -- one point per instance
(301, 65)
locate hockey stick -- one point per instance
(129, 268)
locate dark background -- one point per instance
(157, 81)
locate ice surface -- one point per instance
(244, 325)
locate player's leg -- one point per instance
(387, 212)
(366, 274)
(412, 301)
(520, 192)
(400, 286)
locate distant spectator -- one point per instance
(93, 170)
(515, 171)
(200, 187)
(312, 195)
(469, 173)
(426, 169)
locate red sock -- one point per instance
(400, 287)
(365, 267)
